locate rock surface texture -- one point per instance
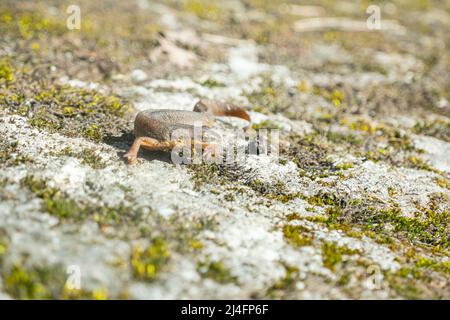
(355, 204)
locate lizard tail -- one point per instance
(218, 108)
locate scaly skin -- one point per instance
(153, 129)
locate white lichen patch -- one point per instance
(437, 152)
(409, 187)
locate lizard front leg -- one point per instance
(147, 143)
(155, 145)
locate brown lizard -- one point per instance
(153, 129)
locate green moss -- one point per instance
(74, 112)
(59, 204)
(55, 203)
(37, 283)
(438, 128)
(418, 163)
(438, 266)
(344, 166)
(77, 111)
(196, 244)
(60, 207)
(93, 132)
(266, 124)
(276, 191)
(311, 155)
(4, 244)
(392, 192)
(443, 183)
(271, 98)
(148, 262)
(335, 96)
(211, 83)
(333, 255)
(340, 138)
(297, 235)
(432, 230)
(293, 216)
(6, 72)
(382, 142)
(209, 10)
(30, 25)
(404, 283)
(206, 173)
(363, 125)
(88, 156)
(10, 154)
(216, 271)
(322, 199)
(44, 283)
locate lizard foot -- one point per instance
(130, 157)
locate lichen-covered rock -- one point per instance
(348, 199)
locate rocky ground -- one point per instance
(354, 205)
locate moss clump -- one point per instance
(60, 207)
(438, 128)
(297, 235)
(443, 183)
(417, 280)
(204, 173)
(88, 156)
(266, 124)
(92, 159)
(417, 163)
(208, 10)
(44, 283)
(6, 72)
(333, 255)
(286, 197)
(37, 283)
(55, 203)
(59, 204)
(271, 98)
(216, 271)
(75, 112)
(363, 125)
(218, 174)
(30, 25)
(404, 283)
(321, 199)
(344, 166)
(195, 244)
(335, 96)
(341, 138)
(311, 155)
(68, 110)
(275, 191)
(211, 83)
(433, 229)
(293, 216)
(373, 141)
(348, 214)
(149, 262)
(10, 155)
(437, 266)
